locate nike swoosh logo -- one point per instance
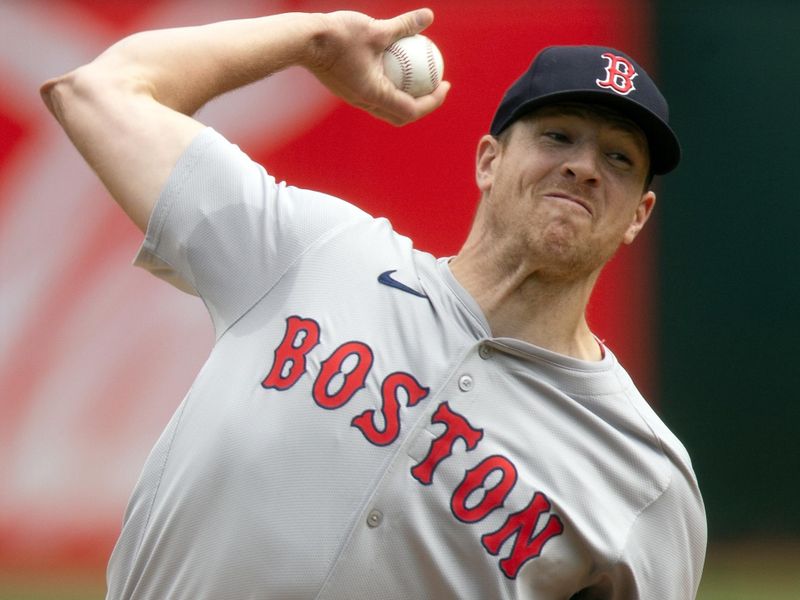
(386, 279)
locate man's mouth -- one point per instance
(573, 199)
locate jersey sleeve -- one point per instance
(666, 548)
(225, 230)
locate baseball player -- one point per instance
(373, 421)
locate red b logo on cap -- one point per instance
(619, 74)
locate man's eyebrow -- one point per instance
(626, 126)
(630, 130)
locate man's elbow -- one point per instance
(88, 90)
(54, 91)
(65, 95)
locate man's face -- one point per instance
(565, 187)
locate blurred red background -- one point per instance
(96, 355)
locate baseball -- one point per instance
(414, 64)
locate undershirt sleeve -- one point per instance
(225, 230)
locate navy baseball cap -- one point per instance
(594, 75)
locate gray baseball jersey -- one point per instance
(357, 432)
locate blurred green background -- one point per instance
(730, 288)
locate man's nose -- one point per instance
(582, 164)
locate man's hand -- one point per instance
(348, 59)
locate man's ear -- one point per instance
(485, 163)
(640, 217)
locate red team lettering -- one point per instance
(527, 544)
(334, 386)
(353, 380)
(474, 480)
(456, 427)
(391, 408)
(300, 337)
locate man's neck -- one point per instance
(526, 304)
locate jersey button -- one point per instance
(465, 383)
(374, 518)
(484, 352)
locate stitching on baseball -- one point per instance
(433, 72)
(405, 66)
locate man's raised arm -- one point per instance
(128, 112)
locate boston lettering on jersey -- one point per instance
(289, 364)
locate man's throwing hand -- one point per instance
(348, 59)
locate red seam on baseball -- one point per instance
(405, 66)
(432, 70)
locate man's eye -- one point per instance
(620, 157)
(557, 136)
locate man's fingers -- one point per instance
(397, 107)
(405, 109)
(430, 102)
(410, 23)
(374, 92)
